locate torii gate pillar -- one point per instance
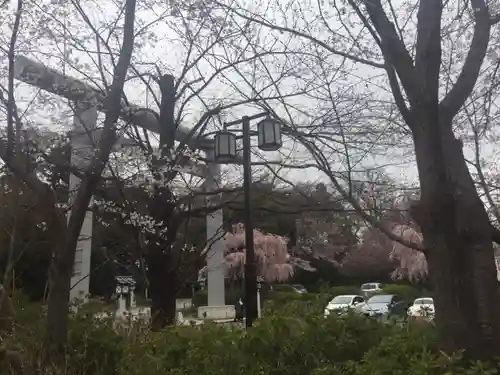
(84, 122)
(215, 254)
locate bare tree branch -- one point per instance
(462, 89)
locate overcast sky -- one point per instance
(162, 45)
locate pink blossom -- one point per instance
(271, 255)
(412, 263)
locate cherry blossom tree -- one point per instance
(144, 201)
(63, 233)
(190, 90)
(412, 264)
(271, 254)
(371, 259)
(391, 204)
(404, 48)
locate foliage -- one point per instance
(292, 339)
(370, 260)
(325, 231)
(93, 347)
(284, 288)
(302, 301)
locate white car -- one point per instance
(422, 308)
(370, 288)
(343, 303)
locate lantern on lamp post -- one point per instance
(225, 147)
(269, 139)
(269, 134)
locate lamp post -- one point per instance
(260, 280)
(269, 139)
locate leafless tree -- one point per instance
(425, 59)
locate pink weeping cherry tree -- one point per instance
(271, 255)
(412, 264)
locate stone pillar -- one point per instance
(497, 265)
(122, 305)
(132, 297)
(259, 312)
(81, 151)
(215, 256)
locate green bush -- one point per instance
(292, 338)
(284, 288)
(93, 348)
(314, 301)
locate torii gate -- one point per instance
(85, 118)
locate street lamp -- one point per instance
(269, 134)
(269, 139)
(225, 147)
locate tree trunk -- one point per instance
(60, 272)
(163, 290)
(457, 237)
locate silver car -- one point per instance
(379, 305)
(341, 304)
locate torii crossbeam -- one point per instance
(45, 78)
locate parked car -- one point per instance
(400, 309)
(287, 288)
(370, 288)
(378, 305)
(422, 308)
(299, 288)
(340, 304)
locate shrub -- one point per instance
(300, 302)
(293, 338)
(284, 288)
(93, 347)
(280, 344)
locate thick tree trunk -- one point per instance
(163, 290)
(457, 235)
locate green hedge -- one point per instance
(282, 298)
(284, 288)
(293, 338)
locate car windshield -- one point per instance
(380, 299)
(424, 301)
(368, 286)
(341, 300)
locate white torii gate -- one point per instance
(85, 118)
